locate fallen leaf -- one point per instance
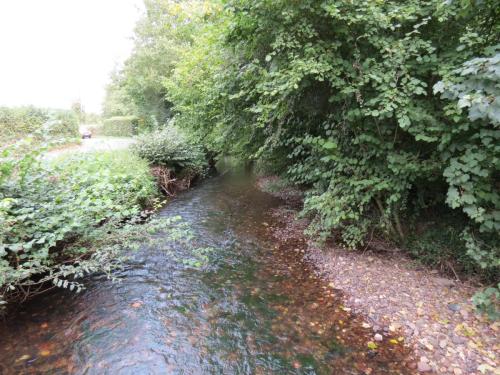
(371, 345)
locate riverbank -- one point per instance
(56, 214)
(434, 315)
(220, 297)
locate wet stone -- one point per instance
(423, 367)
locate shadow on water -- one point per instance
(255, 308)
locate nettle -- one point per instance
(472, 147)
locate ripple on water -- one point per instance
(255, 309)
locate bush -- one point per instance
(120, 126)
(45, 207)
(172, 149)
(365, 103)
(42, 124)
(61, 124)
(382, 109)
(18, 122)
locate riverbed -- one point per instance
(254, 308)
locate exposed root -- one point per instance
(164, 179)
(168, 182)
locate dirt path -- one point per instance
(93, 145)
(433, 315)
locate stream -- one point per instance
(255, 308)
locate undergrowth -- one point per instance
(54, 215)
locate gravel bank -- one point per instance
(433, 314)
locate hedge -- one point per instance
(120, 126)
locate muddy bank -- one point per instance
(433, 315)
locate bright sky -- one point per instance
(54, 52)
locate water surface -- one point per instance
(254, 308)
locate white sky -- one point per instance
(53, 52)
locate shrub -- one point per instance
(171, 148)
(61, 124)
(120, 126)
(382, 109)
(45, 207)
(340, 95)
(42, 124)
(18, 122)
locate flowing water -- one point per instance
(255, 308)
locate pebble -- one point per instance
(458, 340)
(412, 365)
(426, 316)
(444, 282)
(423, 367)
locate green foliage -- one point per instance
(61, 124)
(383, 109)
(117, 101)
(345, 90)
(437, 242)
(18, 122)
(472, 170)
(487, 301)
(173, 149)
(138, 89)
(120, 126)
(200, 257)
(45, 207)
(43, 124)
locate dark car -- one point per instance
(86, 134)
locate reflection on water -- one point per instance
(255, 309)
